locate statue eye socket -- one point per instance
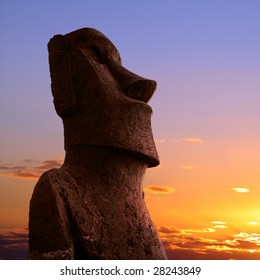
(96, 54)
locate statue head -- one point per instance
(100, 102)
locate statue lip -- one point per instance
(137, 101)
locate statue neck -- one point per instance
(114, 165)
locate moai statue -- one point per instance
(93, 206)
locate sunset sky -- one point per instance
(204, 198)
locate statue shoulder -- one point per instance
(48, 223)
(51, 181)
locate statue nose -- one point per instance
(141, 89)
(133, 85)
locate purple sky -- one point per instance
(203, 54)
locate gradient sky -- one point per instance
(204, 198)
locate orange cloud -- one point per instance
(196, 230)
(167, 230)
(187, 167)
(251, 238)
(48, 164)
(253, 223)
(194, 140)
(182, 244)
(241, 190)
(154, 189)
(219, 224)
(26, 174)
(28, 169)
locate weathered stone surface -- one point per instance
(93, 206)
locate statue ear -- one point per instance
(64, 97)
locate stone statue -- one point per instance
(93, 206)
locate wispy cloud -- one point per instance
(155, 189)
(219, 224)
(185, 244)
(254, 223)
(48, 164)
(31, 169)
(179, 244)
(14, 244)
(241, 190)
(195, 140)
(198, 230)
(187, 167)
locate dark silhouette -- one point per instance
(93, 206)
